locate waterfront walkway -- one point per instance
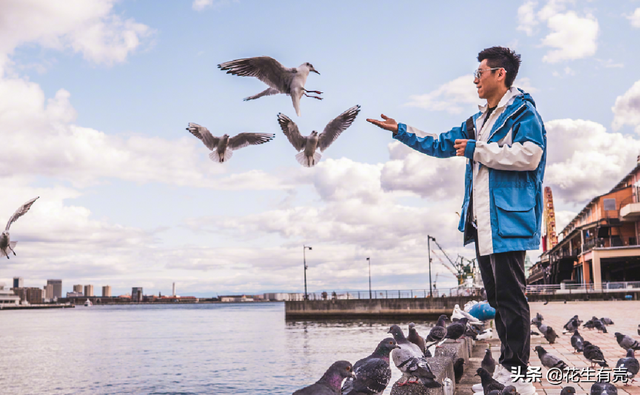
(626, 317)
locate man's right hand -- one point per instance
(387, 124)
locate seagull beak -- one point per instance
(316, 71)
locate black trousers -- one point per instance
(504, 280)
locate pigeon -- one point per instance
(603, 389)
(488, 383)
(546, 303)
(568, 390)
(537, 318)
(411, 361)
(488, 363)
(599, 325)
(456, 330)
(548, 360)
(471, 331)
(308, 157)
(418, 340)
(627, 342)
(594, 354)
(439, 331)
(577, 341)
(550, 335)
(372, 374)
(630, 363)
(222, 147)
(541, 327)
(280, 79)
(606, 321)
(458, 369)
(7, 246)
(509, 390)
(331, 381)
(572, 325)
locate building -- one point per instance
(599, 245)
(30, 295)
(88, 290)
(7, 296)
(18, 282)
(57, 288)
(136, 294)
(78, 288)
(48, 292)
(74, 294)
(174, 289)
(236, 298)
(106, 291)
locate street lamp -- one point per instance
(429, 238)
(304, 260)
(369, 260)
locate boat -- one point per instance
(88, 303)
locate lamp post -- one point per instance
(369, 260)
(304, 260)
(429, 238)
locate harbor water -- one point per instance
(165, 349)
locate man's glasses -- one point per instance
(478, 73)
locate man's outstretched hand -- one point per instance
(388, 123)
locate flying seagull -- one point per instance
(222, 147)
(6, 245)
(308, 144)
(280, 79)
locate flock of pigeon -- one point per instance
(591, 352)
(281, 80)
(372, 374)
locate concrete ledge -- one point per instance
(441, 366)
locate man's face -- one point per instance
(489, 82)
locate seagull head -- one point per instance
(225, 137)
(314, 134)
(5, 234)
(310, 67)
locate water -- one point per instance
(187, 349)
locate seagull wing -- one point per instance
(264, 68)
(203, 134)
(290, 130)
(20, 212)
(337, 126)
(241, 140)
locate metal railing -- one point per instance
(390, 294)
(576, 288)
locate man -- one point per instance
(505, 147)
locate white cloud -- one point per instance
(584, 160)
(573, 37)
(452, 95)
(89, 27)
(200, 5)
(635, 18)
(626, 110)
(527, 19)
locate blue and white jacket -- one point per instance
(505, 169)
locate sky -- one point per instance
(95, 96)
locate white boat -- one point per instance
(88, 303)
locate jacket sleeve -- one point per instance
(440, 146)
(523, 154)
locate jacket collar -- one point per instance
(507, 99)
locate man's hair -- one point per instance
(502, 57)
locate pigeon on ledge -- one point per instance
(331, 382)
(372, 374)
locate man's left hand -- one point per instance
(460, 145)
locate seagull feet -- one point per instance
(318, 92)
(315, 97)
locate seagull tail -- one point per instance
(308, 161)
(214, 156)
(12, 244)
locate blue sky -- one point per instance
(95, 97)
